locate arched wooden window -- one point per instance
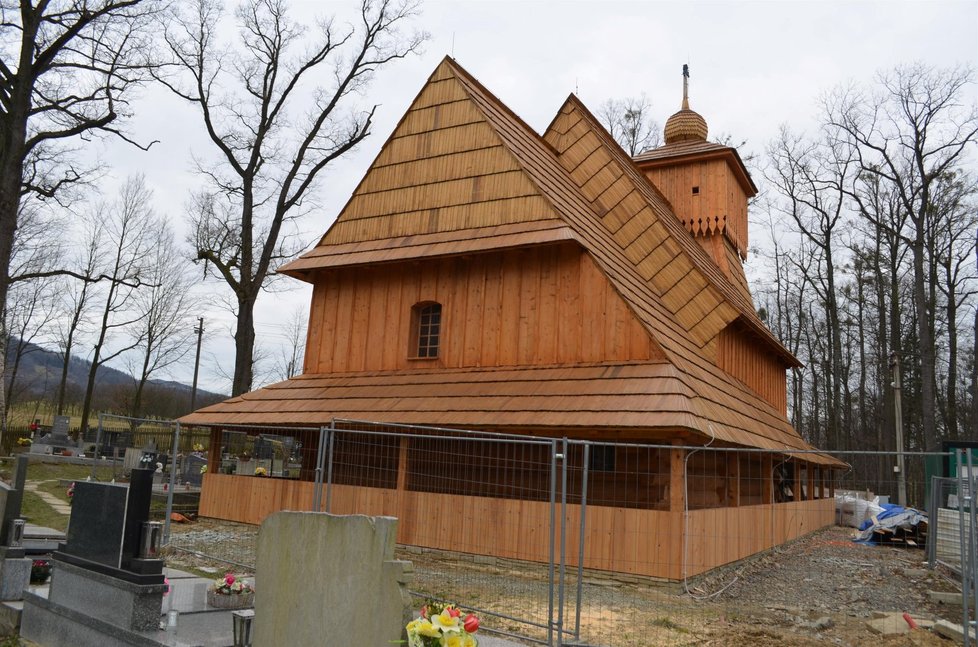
(425, 329)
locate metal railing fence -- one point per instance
(555, 540)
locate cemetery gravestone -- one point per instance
(15, 568)
(337, 573)
(102, 589)
(191, 469)
(55, 442)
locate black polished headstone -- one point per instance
(98, 521)
(137, 511)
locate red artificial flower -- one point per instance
(453, 611)
(424, 612)
(470, 624)
(229, 579)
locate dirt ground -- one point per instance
(820, 590)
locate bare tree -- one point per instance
(291, 354)
(164, 332)
(269, 155)
(812, 178)
(77, 301)
(910, 134)
(954, 245)
(629, 121)
(130, 225)
(67, 68)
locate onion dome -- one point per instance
(686, 125)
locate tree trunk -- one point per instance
(925, 339)
(951, 410)
(244, 347)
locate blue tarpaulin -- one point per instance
(892, 517)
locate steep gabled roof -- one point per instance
(461, 169)
(651, 235)
(444, 182)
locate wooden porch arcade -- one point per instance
(662, 512)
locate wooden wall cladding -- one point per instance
(546, 305)
(743, 357)
(720, 205)
(624, 540)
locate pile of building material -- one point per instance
(880, 523)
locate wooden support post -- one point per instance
(798, 486)
(214, 453)
(767, 479)
(810, 470)
(831, 474)
(402, 464)
(733, 479)
(677, 481)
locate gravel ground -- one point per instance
(819, 590)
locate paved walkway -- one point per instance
(57, 504)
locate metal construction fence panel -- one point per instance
(570, 542)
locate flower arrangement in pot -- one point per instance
(231, 592)
(40, 571)
(442, 626)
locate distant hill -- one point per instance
(39, 373)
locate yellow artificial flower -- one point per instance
(469, 641)
(446, 622)
(426, 628)
(454, 640)
(413, 625)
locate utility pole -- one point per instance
(199, 329)
(898, 425)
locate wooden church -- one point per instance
(486, 277)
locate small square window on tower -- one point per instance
(425, 329)
(696, 190)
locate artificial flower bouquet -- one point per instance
(231, 585)
(230, 592)
(443, 626)
(261, 471)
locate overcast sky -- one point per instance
(754, 66)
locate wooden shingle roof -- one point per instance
(462, 172)
(619, 398)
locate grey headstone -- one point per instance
(346, 577)
(120, 603)
(191, 469)
(13, 499)
(60, 427)
(15, 575)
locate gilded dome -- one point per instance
(686, 125)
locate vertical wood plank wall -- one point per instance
(547, 305)
(626, 540)
(746, 360)
(720, 197)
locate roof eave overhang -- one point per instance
(730, 155)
